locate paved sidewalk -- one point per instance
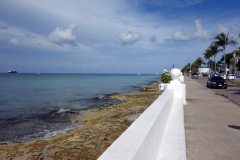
(212, 124)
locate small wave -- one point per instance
(45, 133)
(100, 96)
(5, 142)
(61, 110)
(65, 130)
(95, 98)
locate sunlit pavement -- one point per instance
(212, 123)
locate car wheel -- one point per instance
(207, 85)
(225, 87)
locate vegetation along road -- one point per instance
(232, 92)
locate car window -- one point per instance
(217, 78)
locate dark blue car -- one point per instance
(217, 82)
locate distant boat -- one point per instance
(38, 73)
(138, 74)
(12, 71)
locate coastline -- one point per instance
(101, 127)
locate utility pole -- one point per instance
(235, 57)
(190, 68)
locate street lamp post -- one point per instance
(235, 60)
(190, 69)
(235, 56)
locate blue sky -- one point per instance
(117, 36)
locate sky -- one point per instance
(111, 36)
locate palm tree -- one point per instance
(211, 64)
(198, 62)
(222, 40)
(228, 58)
(186, 68)
(207, 55)
(238, 52)
(214, 51)
(219, 64)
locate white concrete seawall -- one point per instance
(158, 134)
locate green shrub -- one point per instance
(165, 78)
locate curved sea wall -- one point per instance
(157, 134)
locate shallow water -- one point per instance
(34, 106)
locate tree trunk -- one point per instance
(224, 63)
(209, 67)
(215, 63)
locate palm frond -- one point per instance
(220, 50)
(232, 42)
(227, 37)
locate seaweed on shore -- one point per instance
(101, 127)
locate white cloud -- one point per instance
(33, 40)
(128, 38)
(232, 30)
(153, 39)
(182, 35)
(3, 25)
(176, 3)
(20, 34)
(220, 28)
(200, 33)
(61, 36)
(235, 28)
(15, 42)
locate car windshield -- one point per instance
(194, 74)
(217, 78)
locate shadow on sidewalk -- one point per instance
(234, 127)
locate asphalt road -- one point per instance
(232, 92)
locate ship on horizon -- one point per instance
(12, 71)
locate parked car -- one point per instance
(194, 75)
(216, 81)
(231, 76)
(205, 74)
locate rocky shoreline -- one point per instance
(101, 127)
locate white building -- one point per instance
(203, 70)
(167, 71)
(231, 67)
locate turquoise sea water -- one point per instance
(34, 106)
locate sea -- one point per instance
(35, 106)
